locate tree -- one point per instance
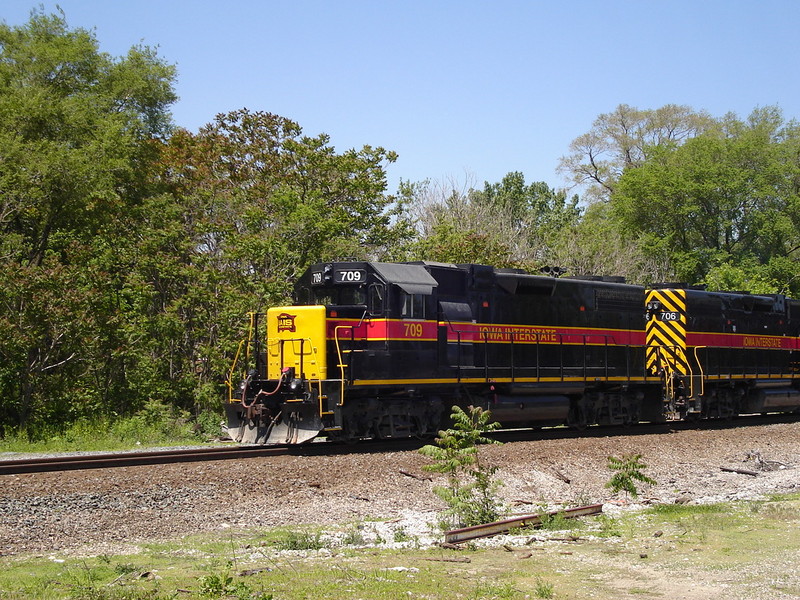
(507, 224)
(626, 138)
(456, 454)
(726, 199)
(267, 201)
(253, 202)
(536, 211)
(76, 132)
(598, 245)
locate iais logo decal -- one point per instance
(286, 322)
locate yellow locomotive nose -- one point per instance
(296, 337)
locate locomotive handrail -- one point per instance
(458, 333)
(229, 379)
(246, 343)
(250, 333)
(458, 361)
(341, 364)
(702, 373)
(281, 342)
(604, 340)
(671, 373)
(562, 367)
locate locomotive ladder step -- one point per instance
(323, 398)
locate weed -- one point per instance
(456, 454)
(124, 568)
(224, 586)
(557, 522)
(354, 537)
(300, 540)
(401, 535)
(784, 497)
(543, 589)
(609, 527)
(627, 470)
(683, 510)
(157, 423)
(780, 513)
(215, 585)
(493, 590)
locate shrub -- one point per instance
(473, 501)
(627, 470)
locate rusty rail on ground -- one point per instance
(465, 534)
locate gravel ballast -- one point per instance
(106, 511)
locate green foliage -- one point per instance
(719, 541)
(623, 140)
(609, 527)
(77, 133)
(267, 201)
(507, 224)
(544, 589)
(354, 536)
(747, 276)
(534, 209)
(627, 470)
(471, 490)
(557, 522)
(157, 424)
(683, 510)
(722, 205)
(300, 540)
(487, 589)
(216, 585)
(451, 244)
(131, 251)
(401, 535)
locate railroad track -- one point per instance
(131, 459)
(162, 457)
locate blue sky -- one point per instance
(462, 90)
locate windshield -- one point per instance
(332, 296)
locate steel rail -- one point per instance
(465, 534)
(132, 459)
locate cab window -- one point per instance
(375, 299)
(352, 295)
(413, 306)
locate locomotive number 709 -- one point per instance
(350, 276)
(413, 329)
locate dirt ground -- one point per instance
(111, 510)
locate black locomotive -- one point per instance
(383, 350)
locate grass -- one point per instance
(157, 424)
(716, 550)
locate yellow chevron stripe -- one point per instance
(666, 339)
(674, 302)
